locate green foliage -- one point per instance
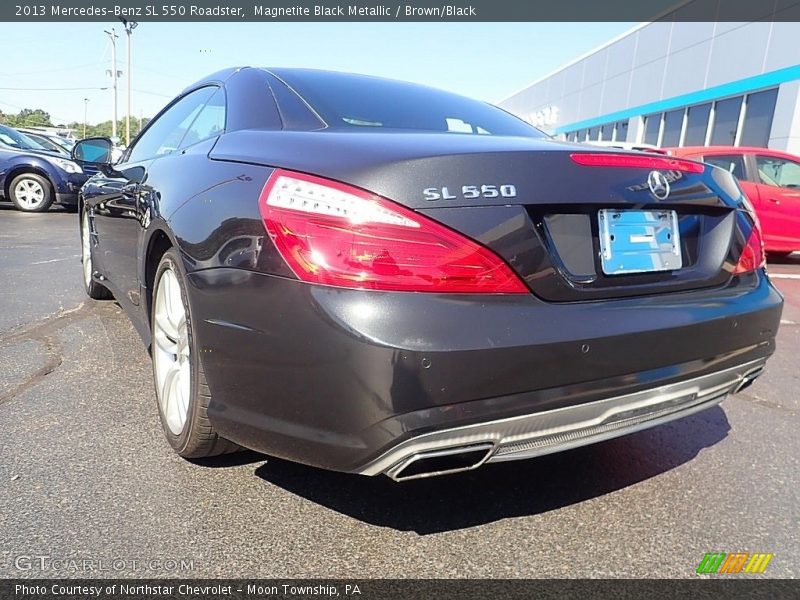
(104, 129)
(28, 117)
(37, 117)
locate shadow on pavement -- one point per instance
(236, 459)
(777, 259)
(503, 490)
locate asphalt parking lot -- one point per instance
(85, 474)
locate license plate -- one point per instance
(639, 241)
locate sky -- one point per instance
(487, 61)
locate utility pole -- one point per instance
(113, 35)
(85, 114)
(129, 27)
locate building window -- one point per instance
(731, 124)
(673, 122)
(652, 124)
(758, 118)
(697, 125)
(726, 121)
(621, 131)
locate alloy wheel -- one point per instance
(29, 193)
(171, 352)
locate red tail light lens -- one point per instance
(752, 256)
(333, 234)
(634, 161)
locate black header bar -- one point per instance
(390, 10)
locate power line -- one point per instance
(69, 89)
(151, 93)
(58, 70)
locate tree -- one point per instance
(29, 118)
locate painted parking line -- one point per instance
(784, 276)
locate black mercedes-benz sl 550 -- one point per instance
(378, 277)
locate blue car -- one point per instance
(33, 178)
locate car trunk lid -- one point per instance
(533, 204)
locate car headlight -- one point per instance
(67, 165)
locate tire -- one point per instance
(31, 193)
(93, 289)
(182, 393)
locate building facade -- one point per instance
(677, 83)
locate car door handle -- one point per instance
(774, 200)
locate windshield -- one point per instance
(63, 142)
(347, 101)
(46, 143)
(15, 139)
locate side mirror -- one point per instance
(95, 150)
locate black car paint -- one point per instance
(332, 377)
(307, 374)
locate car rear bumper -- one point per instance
(560, 429)
(364, 381)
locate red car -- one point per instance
(770, 179)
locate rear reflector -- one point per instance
(752, 256)
(334, 234)
(634, 161)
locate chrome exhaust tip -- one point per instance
(441, 462)
(748, 379)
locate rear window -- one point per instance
(358, 102)
(732, 163)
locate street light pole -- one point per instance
(85, 114)
(129, 27)
(113, 35)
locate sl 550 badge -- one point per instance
(470, 192)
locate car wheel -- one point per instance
(31, 192)
(93, 289)
(181, 389)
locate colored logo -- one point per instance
(738, 562)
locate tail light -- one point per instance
(636, 161)
(334, 234)
(752, 256)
